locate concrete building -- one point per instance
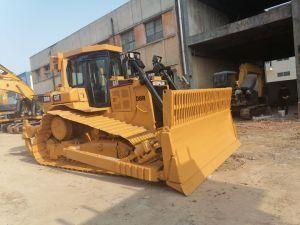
(149, 27)
(281, 70)
(220, 35)
(197, 37)
(27, 78)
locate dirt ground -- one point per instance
(259, 184)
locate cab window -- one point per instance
(115, 67)
(76, 73)
(98, 82)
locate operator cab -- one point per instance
(225, 79)
(93, 71)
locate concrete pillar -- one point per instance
(296, 29)
(168, 21)
(187, 58)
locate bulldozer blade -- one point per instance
(198, 135)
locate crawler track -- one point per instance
(132, 134)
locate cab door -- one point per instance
(97, 86)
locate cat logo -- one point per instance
(115, 82)
(56, 98)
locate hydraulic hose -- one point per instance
(143, 78)
(170, 81)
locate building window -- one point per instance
(47, 67)
(284, 74)
(128, 42)
(154, 30)
(38, 75)
(47, 70)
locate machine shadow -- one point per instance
(22, 154)
(128, 182)
(212, 203)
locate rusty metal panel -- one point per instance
(172, 52)
(140, 35)
(169, 23)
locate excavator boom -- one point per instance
(11, 82)
(26, 107)
(248, 68)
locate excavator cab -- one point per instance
(225, 79)
(250, 82)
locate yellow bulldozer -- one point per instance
(27, 104)
(108, 116)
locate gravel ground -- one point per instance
(259, 184)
